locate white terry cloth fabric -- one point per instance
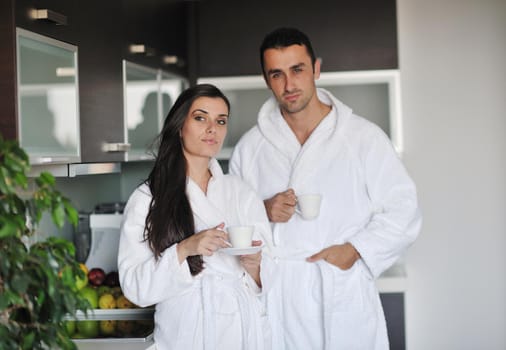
(222, 307)
(368, 199)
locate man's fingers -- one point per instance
(317, 256)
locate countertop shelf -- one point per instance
(115, 314)
(393, 280)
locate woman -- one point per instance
(173, 230)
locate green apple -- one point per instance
(90, 294)
(101, 290)
(88, 329)
(70, 327)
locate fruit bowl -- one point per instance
(112, 315)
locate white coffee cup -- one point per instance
(240, 236)
(309, 205)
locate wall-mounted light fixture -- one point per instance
(170, 59)
(141, 49)
(49, 15)
(173, 60)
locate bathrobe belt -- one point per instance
(326, 277)
(214, 281)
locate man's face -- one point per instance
(291, 77)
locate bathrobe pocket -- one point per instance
(351, 315)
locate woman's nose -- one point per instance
(211, 128)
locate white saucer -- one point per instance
(241, 251)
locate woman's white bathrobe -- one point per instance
(368, 199)
(218, 309)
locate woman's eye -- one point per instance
(222, 121)
(199, 118)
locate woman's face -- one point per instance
(205, 127)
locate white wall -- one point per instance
(453, 66)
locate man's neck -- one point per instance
(304, 122)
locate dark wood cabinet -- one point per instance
(100, 80)
(393, 306)
(67, 9)
(347, 35)
(102, 32)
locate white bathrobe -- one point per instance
(368, 199)
(220, 308)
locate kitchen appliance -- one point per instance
(82, 237)
(104, 243)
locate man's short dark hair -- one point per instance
(284, 37)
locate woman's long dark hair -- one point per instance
(170, 217)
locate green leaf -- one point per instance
(72, 213)
(21, 180)
(28, 341)
(58, 214)
(8, 228)
(5, 182)
(13, 163)
(47, 178)
(20, 283)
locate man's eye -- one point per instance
(297, 70)
(275, 75)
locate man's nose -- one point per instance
(289, 83)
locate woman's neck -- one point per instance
(198, 171)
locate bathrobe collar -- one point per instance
(303, 160)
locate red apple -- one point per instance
(112, 279)
(96, 276)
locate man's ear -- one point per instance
(317, 67)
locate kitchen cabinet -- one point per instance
(102, 47)
(99, 67)
(374, 95)
(148, 96)
(347, 35)
(48, 108)
(59, 10)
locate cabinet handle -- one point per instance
(115, 147)
(49, 15)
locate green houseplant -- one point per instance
(37, 282)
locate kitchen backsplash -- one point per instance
(87, 191)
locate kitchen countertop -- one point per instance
(393, 280)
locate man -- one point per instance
(306, 141)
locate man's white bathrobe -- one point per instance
(368, 199)
(220, 308)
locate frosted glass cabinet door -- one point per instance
(171, 86)
(141, 108)
(148, 96)
(48, 113)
